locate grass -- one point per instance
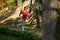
(10, 34)
(6, 37)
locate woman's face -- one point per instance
(25, 8)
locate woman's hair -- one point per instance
(25, 8)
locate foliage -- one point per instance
(23, 0)
(40, 1)
(6, 37)
(19, 1)
(22, 35)
(9, 1)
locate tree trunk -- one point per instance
(37, 14)
(5, 2)
(2, 6)
(16, 2)
(49, 20)
(37, 19)
(57, 32)
(30, 6)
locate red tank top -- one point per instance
(24, 14)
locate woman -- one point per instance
(24, 16)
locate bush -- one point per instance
(10, 1)
(6, 37)
(22, 35)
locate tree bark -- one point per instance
(30, 6)
(2, 4)
(16, 2)
(37, 19)
(49, 20)
(37, 14)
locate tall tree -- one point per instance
(57, 32)
(37, 13)
(16, 2)
(1, 1)
(49, 20)
(30, 6)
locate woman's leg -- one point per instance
(23, 22)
